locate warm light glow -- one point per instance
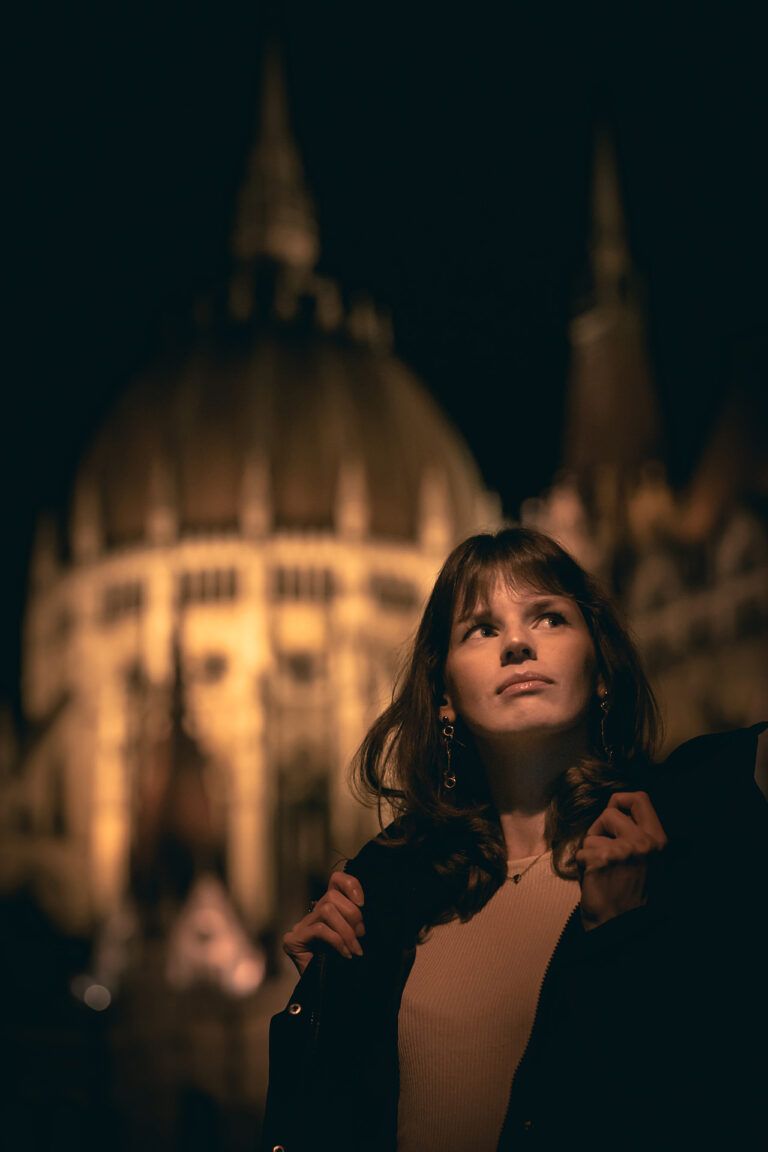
(247, 976)
(98, 997)
(208, 945)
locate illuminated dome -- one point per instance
(292, 408)
(252, 535)
(281, 419)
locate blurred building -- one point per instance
(251, 538)
(252, 535)
(690, 566)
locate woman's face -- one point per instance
(522, 663)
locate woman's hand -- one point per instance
(615, 858)
(335, 919)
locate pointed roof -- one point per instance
(185, 812)
(612, 411)
(177, 834)
(611, 262)
(276, 216)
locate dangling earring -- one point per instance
(605, 708)
(446, 735)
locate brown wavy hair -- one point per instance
(401, 760)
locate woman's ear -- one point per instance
(602, 687)
(447, 710)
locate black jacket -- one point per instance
(646, 1030)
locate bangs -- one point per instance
(543, 570)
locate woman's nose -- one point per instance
(516, 650)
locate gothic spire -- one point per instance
(612, 417)
(276, 217)
(611, 264)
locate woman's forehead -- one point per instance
(483, 586)
(483, 582)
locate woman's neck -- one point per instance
(520, 777)
(524, 833)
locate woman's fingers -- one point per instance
(631, 816)
(638, 806)
(612, 822)
(348, 885)
(328, 934)
(336, 913)
(333, 904)
(604, 851)
(301, 948)
(338, 921)
(335, 919)
(616, 857)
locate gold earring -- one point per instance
(447, 732)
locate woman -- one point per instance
(546, 955)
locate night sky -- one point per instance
(449, 159)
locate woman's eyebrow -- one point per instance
(543, 603)
(479, 609)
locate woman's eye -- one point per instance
(553, 619)
(481, 629)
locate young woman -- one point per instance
(555, 940)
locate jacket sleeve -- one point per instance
(333, 1050)
(648, 1025)
(292, 1043)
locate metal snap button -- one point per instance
(294, 1009)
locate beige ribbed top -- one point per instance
(467, 1012)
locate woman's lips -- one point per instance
(522, 683)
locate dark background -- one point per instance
(449, 158)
